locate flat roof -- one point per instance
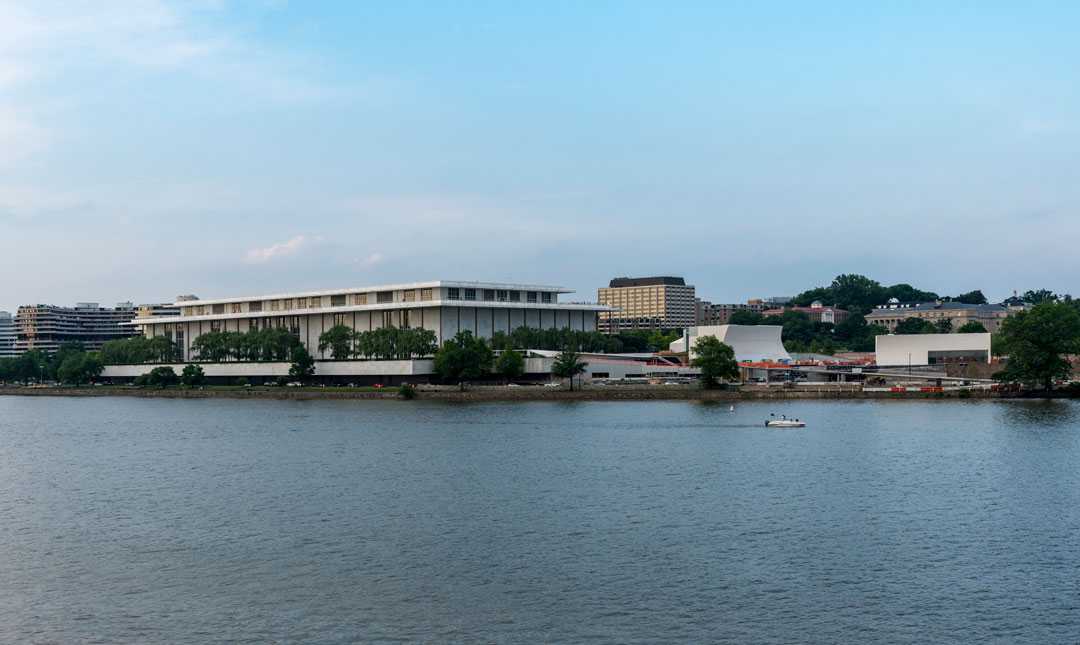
(649, 281)
(462, 284)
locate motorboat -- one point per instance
(783, 422)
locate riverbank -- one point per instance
(495, 393)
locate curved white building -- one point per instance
(753, 343)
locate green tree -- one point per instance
(915, 326)
(972, 327)
(1038, 296)
(463, 358)
(1037, 343)
(568, 364)
(746, 317)
(715, 359)
(162, 376)
(79, 368)
(943, 326)
(303, 365)
(192, 375)
(31, 365)
(510, 364)
(339, 340)
(975, 297)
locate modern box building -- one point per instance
(902, 350)
(445, 307)
(7, 335)
(659, 302)
(47, 327)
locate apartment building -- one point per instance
(713, 314)
(7, 335)
(47, 327)
(658, 302)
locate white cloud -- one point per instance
(280, 250)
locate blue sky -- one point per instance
(149, 149)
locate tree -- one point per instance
(29, 366)
(1039, 296)
(79, 368)
(745, 317)
(943, 326)
(915, 326)
(463, 358)
(161, 349)
(972, 327)
(568, 364)
(339, 340)
(193, 375)
(1037, 342)
(975, 297)
(715, 359)
(162, 376)
(510, 364)
(303, 365)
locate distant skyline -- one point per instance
(154, 148)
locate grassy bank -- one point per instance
(488, 393)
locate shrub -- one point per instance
(407, 392)
(158, 377)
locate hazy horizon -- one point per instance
(152, 148)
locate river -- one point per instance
(221, 521)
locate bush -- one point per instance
(192, 376)
(407, 392)
(281, 381)
(240, 381)
(158, 377)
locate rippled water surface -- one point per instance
(127, 520)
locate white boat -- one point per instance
(783, 422)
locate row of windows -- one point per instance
(288, 304)
(498, 295)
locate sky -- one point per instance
(151, 148)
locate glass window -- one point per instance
(425, 294)
(255, 306)
(360, 299)
(384, 297)
(388, 318)
(545, 297)
(501, 295)
(339, 319)
(218, 309)
(530, 297)
(470, 294)
(515, 296)
(337, 301)
(235, 308)
(275, 305)
(409, 295)
(489, 295)
(315, 303)
(453, 293)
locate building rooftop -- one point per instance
(647, 282)
(947, 305)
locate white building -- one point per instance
(442, 306)
(754, 343)
(902, 350)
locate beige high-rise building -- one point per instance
(659, 302)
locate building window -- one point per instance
(388, 318)
(360, 299)
(287, 304)
(275, 305)
(337, 301)
(470, 294)
(404, 318)
(545, 297)
(453, 293)
(235, 307)
(339, 319)
(215, 325)
(530, 297)
(515, 296)
(255, 306)
(409, 295)
(315, 303)
(217, 309)
(425, 294)
(489, 295)
(384, 297)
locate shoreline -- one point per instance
(481, 394)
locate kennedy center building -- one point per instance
(444, 307)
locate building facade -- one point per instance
(931, 349)
(444, 307)
(7, 335)
(659, 302)
(711, 314)
(47, 327)
(816, 312)
(751, 343)
(990, 316)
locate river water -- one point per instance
(220, 521)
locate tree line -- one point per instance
(71, 365)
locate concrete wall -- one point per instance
(898, 350)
